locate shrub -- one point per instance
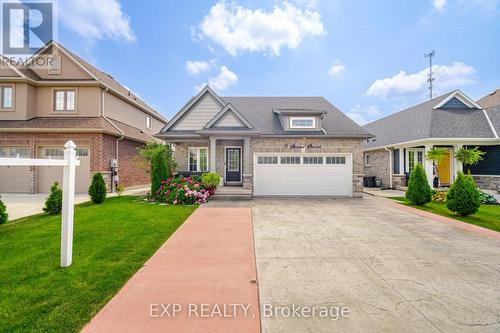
(463, 196)
(487, 199)
(4, 217)
(419, 192)
(210, 180)
(439, 196)
(158, 170)
(182, 190)
(53, 204)
(97, 189)
(119, 189)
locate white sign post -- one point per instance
(69, 163)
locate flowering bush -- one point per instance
(182, 190)
(439, 196)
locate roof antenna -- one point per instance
(430, 76)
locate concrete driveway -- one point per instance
(394, 271)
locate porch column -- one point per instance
(429, 170)
(457, 165)
(213, 153)
(401, 161)
(246, 156)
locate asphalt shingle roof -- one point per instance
(423, 121)
(492, 99)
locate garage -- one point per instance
(303, 174)
(47, 175)
(15, 179)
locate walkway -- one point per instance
(198, 281)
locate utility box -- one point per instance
(114, 163)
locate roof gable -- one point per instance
(228, 117)
(457, 100)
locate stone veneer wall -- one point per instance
(488, 182)
(379, 166)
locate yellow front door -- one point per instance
(444, 170)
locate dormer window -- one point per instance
(302, 122)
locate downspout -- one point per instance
(390, 166)
(117, 128)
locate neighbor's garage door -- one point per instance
(15, 179)
(303, 174)
(48, 175)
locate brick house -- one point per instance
(42, 107)
(269, 145)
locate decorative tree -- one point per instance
(463, 197)
(158, 160)
(97, 189)
(158, 170)
(53, 204)
(419, 192)
(469, 156)
(4, 217)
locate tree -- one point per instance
(463, 197)
(469, 156)
(97, 189)
(151, 156)
(53, 204)
(419, 192)
(4, 217)
(158, 170)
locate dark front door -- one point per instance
(233, 165)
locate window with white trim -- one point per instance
(302, 122)
(414, 157)
(335, 160)
(313, 159)
(367, 159)
(198, 159)
(267, 160)
(64, 100)
(6, 97)
(290, 160)
(14, 151)
(148, 122)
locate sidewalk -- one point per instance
(383, 193)
(208, 263)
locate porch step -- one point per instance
(232, 193)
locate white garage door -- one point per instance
(302, 174)
(15, 179)
(48, 175)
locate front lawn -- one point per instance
(111, 242)
(488, 216)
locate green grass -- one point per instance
(488, 216)
(111, 242)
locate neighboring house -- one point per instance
(43, 107)
(272, 145)
(450, 121)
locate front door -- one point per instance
(444, 170)
(233, 165)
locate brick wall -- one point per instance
(488, 182)
(379, 166)
(129, 170)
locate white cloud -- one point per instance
(337, 68)
(96, 19)
(364, 114)
(439, 5)
(458, 74)
(238, 29)
(223, 81)
(195, 67)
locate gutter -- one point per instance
(390, 166)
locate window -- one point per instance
(302, 122)
(335, 160)
(395, 160)
(233, 160)
(6, 96)
(415, 156)
(313, 160)
(198, 159)
(54, 152)
(367, 159)
(290, 160)
(14, 151)
(267, 160)
(82, 152)
(148, 122)
(64, 100)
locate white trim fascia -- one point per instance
(408, 144)
(190, 103)
(493, 176)
(490, 123)
(462, 97)
(14, 68)
(222, 112)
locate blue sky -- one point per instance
(366, 57)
